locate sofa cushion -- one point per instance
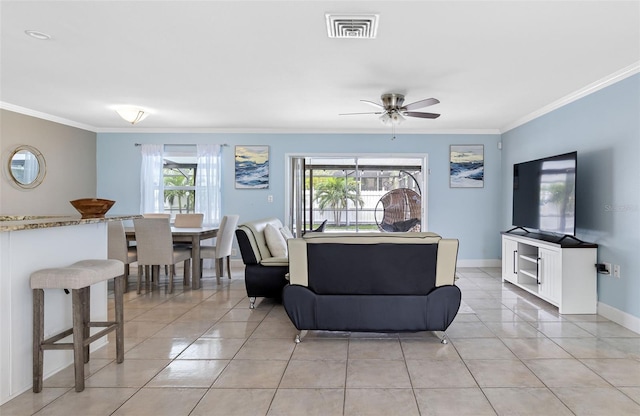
(256, 243)
(275, 241)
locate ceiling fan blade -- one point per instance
(353, 114)
(420, 104)
(419, 114)
(373, 103)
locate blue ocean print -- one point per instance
(252, 167)
(466, 167)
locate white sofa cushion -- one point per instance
(275, 241)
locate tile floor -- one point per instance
(205, 352)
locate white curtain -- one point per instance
(151, 179)
(208, 183)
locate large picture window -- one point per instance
(179, 175)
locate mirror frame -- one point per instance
(42, 167)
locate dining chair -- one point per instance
(222, 249)
(188, 220)
(155, 248)
(118, 249)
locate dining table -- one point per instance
(191, 236)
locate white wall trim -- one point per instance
(622, 318)
(45, 116)
(583, 92)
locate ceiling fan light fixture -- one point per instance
(132, 115)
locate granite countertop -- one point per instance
(31, 222)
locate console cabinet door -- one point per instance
(550, 274)
(509, 260)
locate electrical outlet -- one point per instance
(270, 198)
(616, 270)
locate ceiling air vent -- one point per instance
(352, 26)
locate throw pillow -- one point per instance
(286, 233)
(275, 241)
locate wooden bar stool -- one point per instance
(78, 278)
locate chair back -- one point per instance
(188, 220)
(117, 248)
(154, 241)
(155, 215)
(224, 239)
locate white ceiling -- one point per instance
(269, 66)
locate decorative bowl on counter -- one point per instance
(92, 207)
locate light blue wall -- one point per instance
(604, 128)
(471, 215)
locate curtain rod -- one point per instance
(180, 144)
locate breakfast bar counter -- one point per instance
(27, 244)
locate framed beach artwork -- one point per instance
(252, 167)
(466, 166)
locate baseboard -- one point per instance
(622, 318)
(479, 263)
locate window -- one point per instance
(179, 173)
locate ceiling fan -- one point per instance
(392, 111)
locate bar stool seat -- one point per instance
(77, 277)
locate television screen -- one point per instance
(544, 194)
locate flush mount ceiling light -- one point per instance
(132, 115)
(37, 35)
(364, 26)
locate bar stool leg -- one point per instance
(38, 337)
(86, 313)
(78, 339)
(118, 291)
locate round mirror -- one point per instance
(26, 167)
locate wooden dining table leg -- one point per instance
(195, 262)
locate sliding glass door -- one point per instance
(358, 193)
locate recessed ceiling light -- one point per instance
(37, 35)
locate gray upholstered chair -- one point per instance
(119, 249)
(155, 248)
(222, 249)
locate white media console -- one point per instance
(562, 273)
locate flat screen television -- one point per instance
(544, 194)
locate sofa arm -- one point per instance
(298, 275)
(446, 263)
(275, 261)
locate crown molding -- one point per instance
(583, 92)
(45, 116)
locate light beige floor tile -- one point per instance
(137, 329)
(589, 348)
(307, 402)
(189, 373)
(66, 376)
(380, 401)
(187, 330)
(92, 401)
(244, 315)
(161, 315)
(526, 348)
(513, 330)
(29, 402)
(321, 349)
(630, 346)
(212, 349)
(466, 317)
(597, 401)
(315, 374)
(453, 402)
(562, 330)
(161, 402)
(419, 349)
(202, 314)
(439, 374)
(384, 349)
(234, 402)
(130, 373)
(632, 392)
(487, 303)
(482, 348)
(621, 372)
(275, 329)
(497, 315)
(564, 373)
(266, 349)
(534, 314)
(377, 374)
(459, 330)
(526, 401)
(109, 351)
(251, 374)
(502, 373)
(607, 330)
(157, 348)
(231, 330)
